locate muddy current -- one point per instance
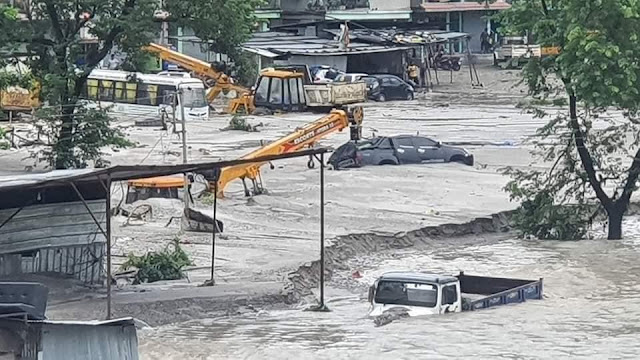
(591, 310)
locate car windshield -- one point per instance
(406, 293)
(194, 97)
(372, 82)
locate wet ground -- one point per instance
(590, 311)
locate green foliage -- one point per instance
(167, 264)
(239, 123)
(225, 24)
(90, 133)
(4, 144)
(246, 69)
(597, 70)
(541, 218)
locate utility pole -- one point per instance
(186, 194)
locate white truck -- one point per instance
(514, 48)
(427, 294)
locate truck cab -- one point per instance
(418, 293)
(428, 294)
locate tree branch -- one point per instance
(629, 186)
(585, 156)
(55, 22)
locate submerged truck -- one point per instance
(428, 294)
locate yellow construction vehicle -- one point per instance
(223, 82)
(304, 137)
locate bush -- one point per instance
(241, 124)
(165, 265)
(541, 218)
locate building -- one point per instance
(49, 230)
(465, 16)
(309, 49)
(26, 334)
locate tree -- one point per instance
(593, 145)
(222, 25)
(61, 61)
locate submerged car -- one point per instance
(396, 150)
(388, 87)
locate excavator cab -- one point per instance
(279, 90)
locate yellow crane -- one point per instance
(307, 136)
(223, 82)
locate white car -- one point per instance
(350, 77)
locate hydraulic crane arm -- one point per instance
(202, 68)
(306, 136)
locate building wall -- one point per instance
(339, 62)
(473, 23)
(389, 4)
(59, 237)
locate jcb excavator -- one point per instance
(223, 82)
(306, 136)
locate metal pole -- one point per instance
(215, 229)
(108, 224)
(184, 153)
(322, 231)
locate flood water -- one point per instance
(591, 310)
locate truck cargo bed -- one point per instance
(484, 292)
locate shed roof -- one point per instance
(121, 173)
(275, 44)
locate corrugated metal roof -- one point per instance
(282, 43)
(120, 173)
(114, 322)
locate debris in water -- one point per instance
(390, 315)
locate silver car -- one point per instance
(396, 150)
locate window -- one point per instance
(394, 81)
(92, 89)
(106, 90)
(385, 144)
(263, 90)
(449, 295)
(423, 142)
(406, 293)
(194, 97)
(125, 92)
(165, 94)
(386, 81)
(147, 94)
(275, 95)
(293, 87)
(404, 142)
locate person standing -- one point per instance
(414, 73)
(484, 42)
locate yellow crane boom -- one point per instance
(223, 82)
(336, 120)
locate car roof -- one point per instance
(418, 277)
(384, 76)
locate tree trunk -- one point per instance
(64, 146)
(615, 223)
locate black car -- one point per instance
(388, 87)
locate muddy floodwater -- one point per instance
(591, 310)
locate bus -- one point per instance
(146, 96)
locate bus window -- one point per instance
(275, 96)
(263, 90)
(105, 91)
(166, 94)
(131, 92)
(287, 100)
(293, 88)
(147, 94)
(303, 99)
(92, 89)
(119, 94)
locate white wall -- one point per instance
(473, 23)
(389, 4)
(339, 62)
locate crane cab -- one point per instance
(279, 90)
